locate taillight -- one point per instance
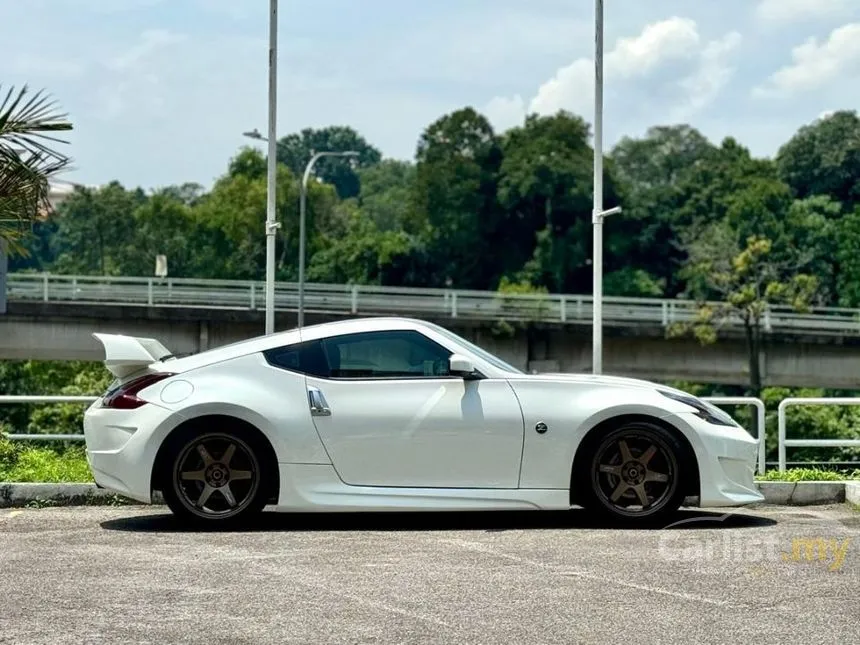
(125, 398)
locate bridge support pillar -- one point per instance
(203, 338)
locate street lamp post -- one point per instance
(598, 214)
(302, 216)
(271, 202)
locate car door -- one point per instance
(389, 414)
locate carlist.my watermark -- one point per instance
(828, 551)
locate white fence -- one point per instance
(343, 299)
(7, 399)
(784, 442)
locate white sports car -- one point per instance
(391, 414)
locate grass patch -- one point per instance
(42, 464)
(809, 475)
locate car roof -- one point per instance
(290, 337)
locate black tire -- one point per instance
(633, 475)
(215, 477)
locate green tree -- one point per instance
(386, 193)
(231, 217)
(738, 279)
(165, 225)
(652, 172)
(28, 161)
(358, 252)
(545, 192)
(249, 163)
(295, 150)
(455, 205)
(823, 158)
(814, 225)
(95, 227)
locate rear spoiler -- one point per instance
(125, 355)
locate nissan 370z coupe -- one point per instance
(393, 414)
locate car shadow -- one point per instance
(496, 521)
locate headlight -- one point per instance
(704, 410)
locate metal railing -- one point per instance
(784, 442)
(340, 299)
(758, 404)
(7, 399)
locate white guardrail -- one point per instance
(370, 300)
(7, 399)
(784, 442)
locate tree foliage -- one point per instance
(296, 150)
(823, 158)
(736, 278)
(28, 159)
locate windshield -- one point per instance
(483, 354)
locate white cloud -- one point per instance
(675, 38)
(781, 11)
(816, 64)
(705, 83)
(669, 54)
(150, 43)
(505, 113)
(135, 76)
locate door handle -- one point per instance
(319, 406)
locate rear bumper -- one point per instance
(120, 447)
(727, 460)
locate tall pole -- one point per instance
(271, 205)
(303, 207)
(597, 214)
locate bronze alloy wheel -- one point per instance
(635, 473)
(216, 476)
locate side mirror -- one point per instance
(460, 366)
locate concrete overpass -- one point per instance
(53, 317)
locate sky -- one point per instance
(160, 91)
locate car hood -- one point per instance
(595, 379)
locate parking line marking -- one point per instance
(479, 546)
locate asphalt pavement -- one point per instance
(132, 575)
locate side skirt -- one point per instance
(317, 488)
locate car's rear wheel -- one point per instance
(634, 474)
(215, 478)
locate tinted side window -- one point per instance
(307, 358)
(385, 354)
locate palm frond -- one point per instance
(26, 123)
(27, 159)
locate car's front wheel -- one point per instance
(214, 478)
(634, 474)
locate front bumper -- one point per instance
(121, 447)
(727, 459)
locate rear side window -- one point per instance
(307, 358)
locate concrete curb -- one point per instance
(852, 493)
(21, 494)
(781, 493)
(803, 493)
